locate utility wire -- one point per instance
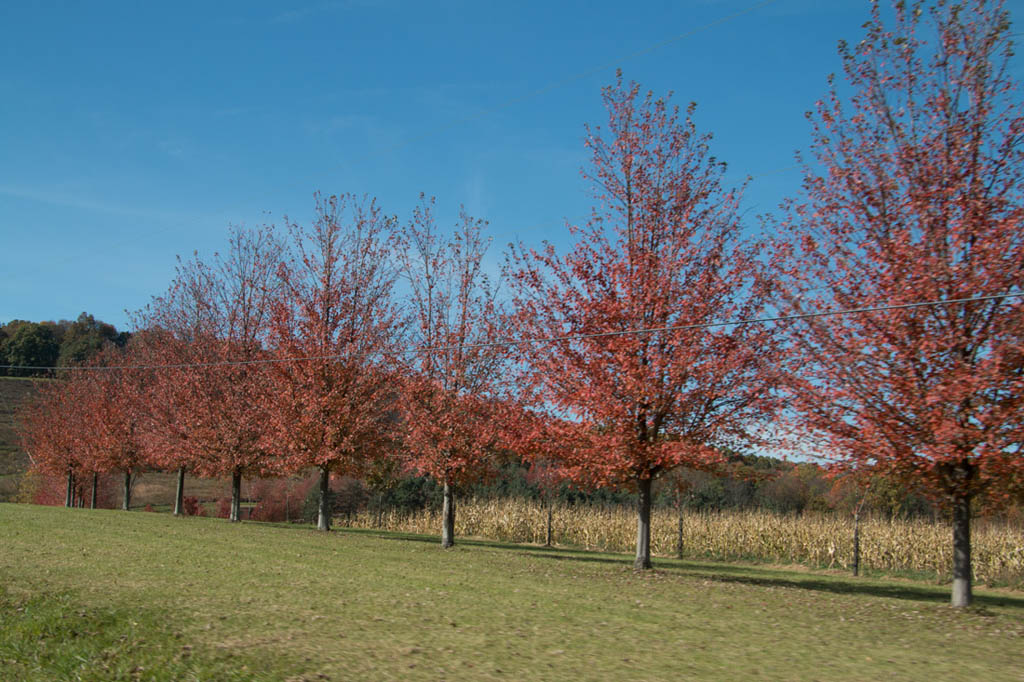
(545, 339)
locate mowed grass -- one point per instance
(148, 596)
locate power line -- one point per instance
(546, 339)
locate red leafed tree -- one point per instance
(548, 477)
(51, 433)
(917, 196)
(333, 330)
(167, 436)
(113, 401)
(176, 325)
(448, 404)
(209, 405)
(662, 251)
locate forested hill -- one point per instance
(14, 392)
(53, 344)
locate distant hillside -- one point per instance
(14, 392)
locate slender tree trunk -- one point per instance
(448, 517)
(643, 524)
(74, 491)
(679, 531)
(856, 543)
(67, 492)
(95, 487)
(126, 500)
(236, 496)
(324, 516)
(856, 527)
(547, 541)
(962, 551)
(179, 493)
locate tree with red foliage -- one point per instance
(113, 400)
(548, 477)
(333, 409)
(50, 432)
(209, 405)
(661, 252)
(176, 328)
(167, 431)
(917, 197)
(447, 406)
(228, 422)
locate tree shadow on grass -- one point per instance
(726, 572)
(850, 586)
(583, 554)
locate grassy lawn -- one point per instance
(100, 595)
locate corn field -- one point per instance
(812, 539)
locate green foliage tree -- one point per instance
(84, 337)
(30, 344)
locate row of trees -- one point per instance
(614, 362)
(748, 482)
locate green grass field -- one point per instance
(107, 595)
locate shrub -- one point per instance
(270, 509)
(280, 499)
(190, 506)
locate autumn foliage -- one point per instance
(354, 346)
(335, 316)
(916, 196)
(449, 408)
(662, 252)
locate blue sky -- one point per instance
(131, 132)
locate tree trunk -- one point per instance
(856, 543)
(679, 532)
(179, 493)
(236, 496)
(95, 486)
(448, 517)
(643, 524)
(74, 491)
(547, 541)
(126, 500)
(324, 516)
(67, 492)
(962, 551)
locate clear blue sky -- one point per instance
(131, 132)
